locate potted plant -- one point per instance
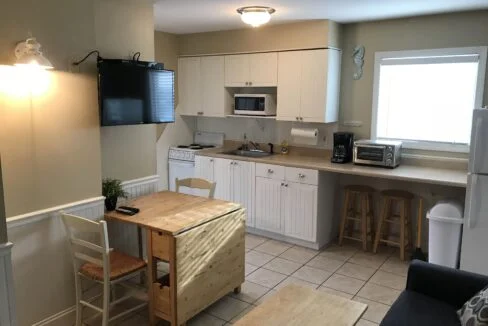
(112, 190)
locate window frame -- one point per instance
(429, 145)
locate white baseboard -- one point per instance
(62, 318)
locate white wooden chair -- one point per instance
(196, 183)
(97, 262)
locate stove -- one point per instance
(201, 140)
(181, 162)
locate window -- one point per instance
(426, 98)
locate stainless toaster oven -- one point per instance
(383, 153)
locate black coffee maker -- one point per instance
(343, 144)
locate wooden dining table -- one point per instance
(201, 239)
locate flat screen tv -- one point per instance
(135, 92)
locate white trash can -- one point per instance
(445, 222)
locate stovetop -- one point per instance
(201, 140)
(195, 146)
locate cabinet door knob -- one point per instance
(286, 185)
(250, 83)
(282, 184)
(247, 83)
(211, 160)
(301, 118)
(270, 171)
(297, 118)
(301, 176)
(235, 163)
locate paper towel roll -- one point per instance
(305, 136)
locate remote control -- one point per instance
(125, 211)
(132, 209)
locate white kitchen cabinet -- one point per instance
(251, 70)
(204, 168)
(308, 85)
(223, 177)
(234, 181)
(268, 204)
(201, 87)
(189, 86)
(299, 207)
(287, 204)
(242, 187)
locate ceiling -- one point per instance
(194, 16)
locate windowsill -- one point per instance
(434, 146)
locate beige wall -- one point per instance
(3, 224)
(50, 139)
(428, 32)
(310, 34)
(122, 28)
(180, 132)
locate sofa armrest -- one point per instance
(449, 285)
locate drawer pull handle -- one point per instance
(160, 233)
(270, 171)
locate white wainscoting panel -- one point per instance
(7, 304)
(41, 261)
(122, 236)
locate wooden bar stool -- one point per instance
(388, 218)
(351, 214)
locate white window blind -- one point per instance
(427, 97)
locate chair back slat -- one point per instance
(88, 259)
(196, 183)
(86, 249)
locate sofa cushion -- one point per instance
(475, 311)
(412, 308)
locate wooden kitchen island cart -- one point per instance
(201, 239)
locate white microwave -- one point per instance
(254, 104)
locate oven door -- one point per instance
(181, 170)
(249, 105)
(369, 154)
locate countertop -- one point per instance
(412, 173)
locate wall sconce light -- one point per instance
(29, 54)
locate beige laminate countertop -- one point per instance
(437, 176)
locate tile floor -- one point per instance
(347, 271)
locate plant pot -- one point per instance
(111, 203)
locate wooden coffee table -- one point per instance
(296, 305)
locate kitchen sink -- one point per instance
(249, 153)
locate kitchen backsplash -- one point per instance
(264, 130)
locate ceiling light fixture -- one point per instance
(29, 54)
(255, 15)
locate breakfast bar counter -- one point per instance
(412, 173)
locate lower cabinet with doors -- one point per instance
(234, 181)
(295, 204)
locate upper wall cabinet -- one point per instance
(251, 70)
(308, 85)
(201, 87)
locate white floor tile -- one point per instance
(242, 314)
(379, 293)
(283, 266)
(299, 254)
(375, 312)
(390, 280)
(313, 275)
(266, 277)
(344, 283)
(250, 292)
(257, 258)
(325, 263)
(252, 241)
(364, 322)
(396, 266)
(357, 271)
(297, 281)
(248, 269)
(368, 259)
(273, 247)
(227, 308)
(337, 252)
(265, 297)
